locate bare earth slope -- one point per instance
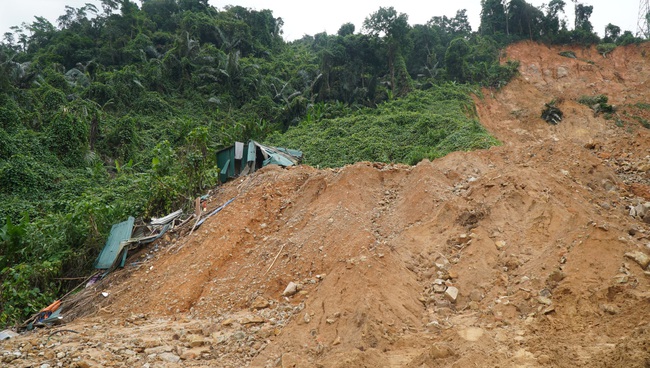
(532, 235)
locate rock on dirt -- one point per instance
(639, 257)
(291, 289)
(533, 231)
(260, 303)
(451, 294)
(169, 357)
(471, 333)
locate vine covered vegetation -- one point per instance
(425, 124)
(119, 110)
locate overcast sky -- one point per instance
(310, 17)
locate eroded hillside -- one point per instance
(532, 235)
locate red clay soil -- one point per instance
(532, 234)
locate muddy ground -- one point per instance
(523, 255)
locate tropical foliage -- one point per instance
(118, 110)
(425, 124)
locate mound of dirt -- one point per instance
(522, 255)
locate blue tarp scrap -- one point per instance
(50, 317)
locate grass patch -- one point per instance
(605, 48)
(642, 105)
(569, 54)
(642, 121)
(598, 103)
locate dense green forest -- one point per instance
(118, 111)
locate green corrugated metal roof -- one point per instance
(251, 152)
(278, 160)
(225, 171)
(230, 167)
(119, 233)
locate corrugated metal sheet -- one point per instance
(226, 172)
(119, 233)
(167, 219)
(250, 157)
(243, 159)
(239, 150)
(279, 156)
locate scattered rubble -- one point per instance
(526, 254)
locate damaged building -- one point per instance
(245, 158)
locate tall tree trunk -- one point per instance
(94, 132)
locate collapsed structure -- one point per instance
(244, 158)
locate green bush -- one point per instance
(20, 296)
(7, 145)
(499, 75)
(605, 48)
(52, 99)
(122, 138)
(10, 117)
(68, 136)
(569, 54)
(22, 174)
(597, 103)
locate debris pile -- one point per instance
(551, 113)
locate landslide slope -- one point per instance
(532, 234)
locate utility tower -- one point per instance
(642, 25)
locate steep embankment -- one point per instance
(532, 235)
